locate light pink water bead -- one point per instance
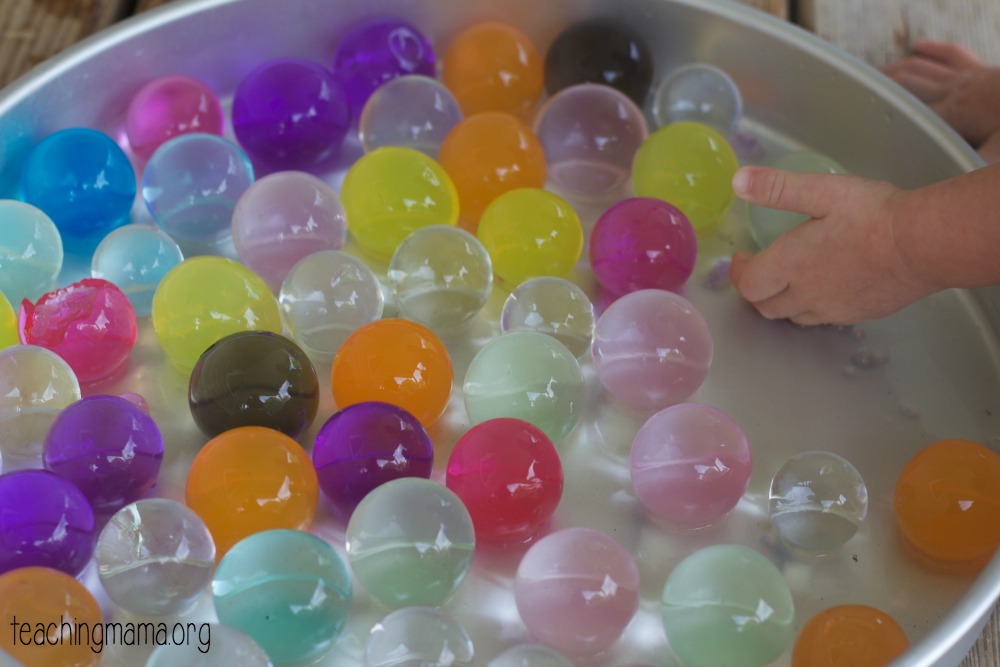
(170, 106)
(576, 590)
(690, 464)
(651, 349)
(284, 217)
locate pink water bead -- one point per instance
(651, 349)
(642, 243)
(576, 590)
(690, 464)
(509, 476)
(90, 324)
(170, 106)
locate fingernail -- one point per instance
(741, 181)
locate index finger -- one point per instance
(785, 190)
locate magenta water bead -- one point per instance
(90, 324)
(642, 243)
(576, 590)
(46, 521)
(366, 445)
(651, 349)
(169, 106)
(590, 133)
(379, 50)
(290, 114)
(108, 447)
(690, 464)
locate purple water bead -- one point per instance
(642, 243)
(44, 521)
(366, 445)
(290, 114)
(106, 446)
(376, 51)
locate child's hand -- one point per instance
(840, 267)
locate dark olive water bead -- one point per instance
(254, 378)
(600, 51)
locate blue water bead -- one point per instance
(135, 258)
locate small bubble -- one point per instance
(865, 357)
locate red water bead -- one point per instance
(90, 324)
(508, 474)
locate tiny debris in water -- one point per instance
(865, 357)
(718, 275)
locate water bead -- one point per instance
(110, 449)
(691, 166)
(642, 243)
(191, 185)
(487, 155)
(767, 224)
(576, 590)
(41, 597)
(135, 258)
(817, 501)
(394, 361)
(493, 67)
(529, 376)
(290, 114)
(418, 636)
(652, 349)
(590, 134)
(378, 51)
(83, 181)
(690, 464)
(188, 318)
(228, 647)
(326, 297)
(253, 378)
(46, 522)
(849, 635)
(248, 480)
(35, 385)
(283, 218)
(366, 445)
(727, 605)
(702, 93)
(553, 306)
(441, 277)
(410, 543)
(411, 111)
(155, 557)
(390, 193)
(169, 106)
(947, 504)
(600, 50)
(8, 324)
(509, 476)
(31, 251)
(529, 233)
(529, 655)
(290, 591)
(90, 324)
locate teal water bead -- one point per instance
(31, 251)
(288, 590)
(135, 258)
(530, 655)
(441, 277)
(529, 376)
(410, 543)
(553, 306)
(215, 645)
(418, 637)
(727, 605)
(767, 224)
(155, 557)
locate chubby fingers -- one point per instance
(767, 290)
(949, 53)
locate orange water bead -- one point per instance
(494, 67)
(49, 618)
(947, 502)
(394, 361)
(487, 155)
(849, 635)
(248, 480)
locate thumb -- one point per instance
(785, 190)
